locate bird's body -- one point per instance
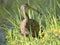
(28, 26)
(31, 26)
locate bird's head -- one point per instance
(24, 6)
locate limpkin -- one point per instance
(28, 24)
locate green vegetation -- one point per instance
(49, 21)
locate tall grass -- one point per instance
(48, 21)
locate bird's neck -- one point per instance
(25, 15)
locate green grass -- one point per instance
(48, 20)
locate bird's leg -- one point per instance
(32, 38)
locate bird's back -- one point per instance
(33, 26)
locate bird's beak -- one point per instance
(32, 9)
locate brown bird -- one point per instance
(28, 26)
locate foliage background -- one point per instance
(11, 17)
